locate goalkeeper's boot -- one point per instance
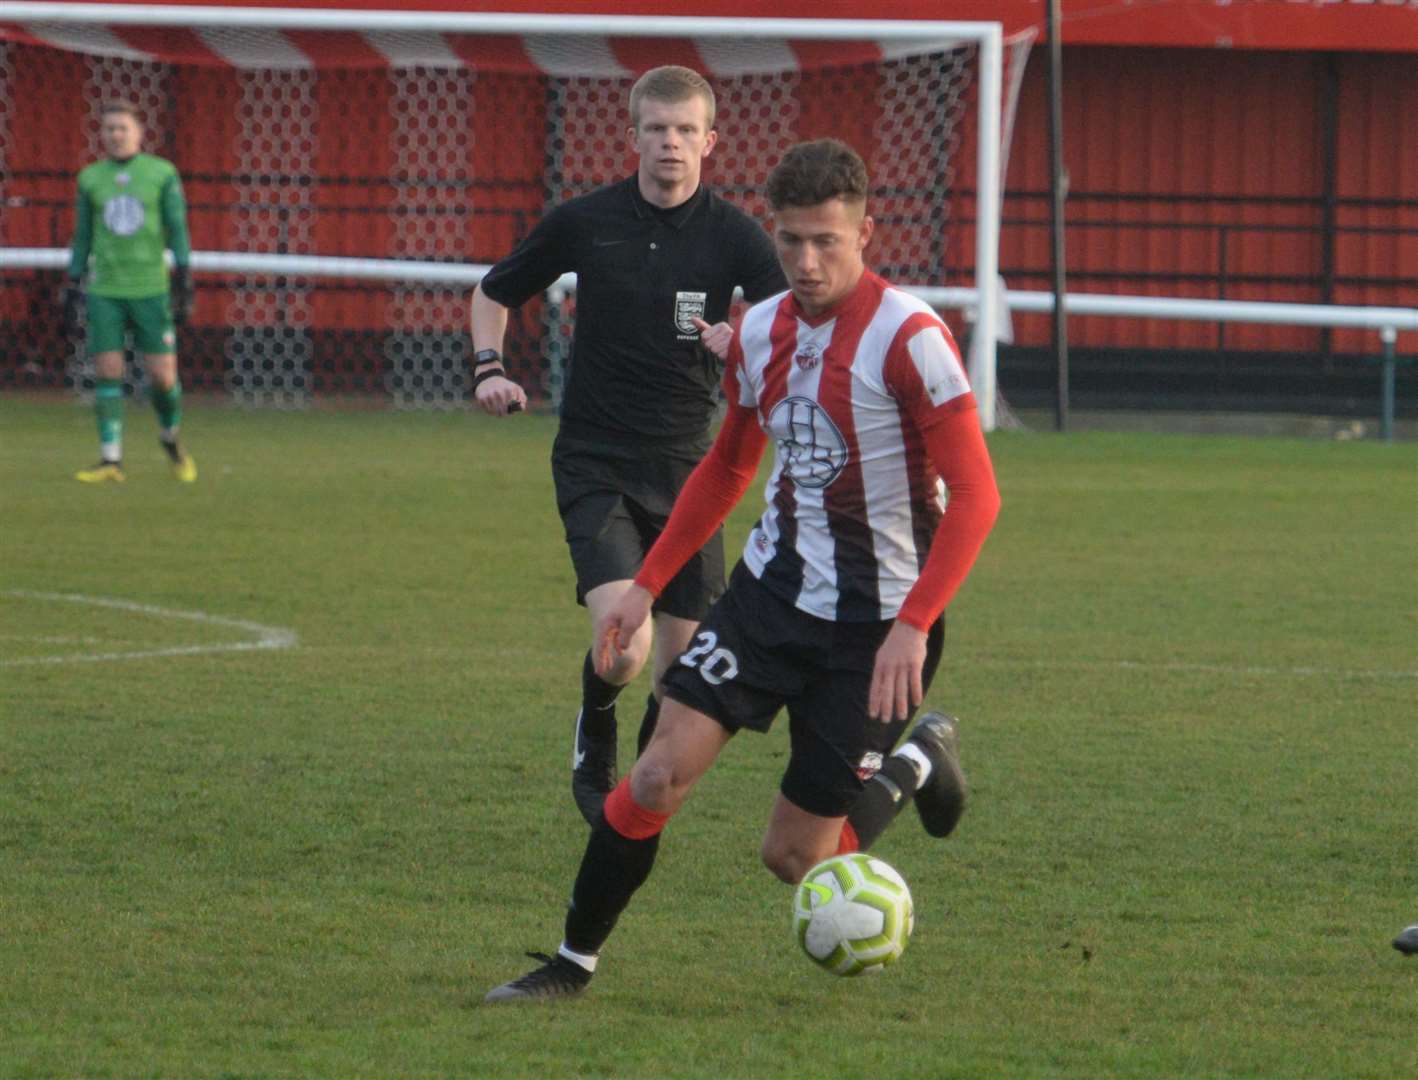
(1407, 942)
(558, 977)
(593, 772)
(184, 467)
(105, 472)
(941, 799)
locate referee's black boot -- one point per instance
(593, 772)
(941, 799)
(1407, 942)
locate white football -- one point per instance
(852, 914)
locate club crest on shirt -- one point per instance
(123, 214)
(122, 179)
(808, 356)
(811, 450)
(688, 307)
(869, 766)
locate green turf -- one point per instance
(1187, 676)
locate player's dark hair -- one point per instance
(810, 173)
(671, 84)
(119, 106)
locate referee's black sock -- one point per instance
(597, 701)
(885, 795)
(647, 725)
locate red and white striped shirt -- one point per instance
(853, 501)
(872, 418)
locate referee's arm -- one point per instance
(496, 394)
(489, 322)
(529, 269)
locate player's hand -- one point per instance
(69, 301)
(896, 676)
(500, 396)
(715, 338)
(181, 295)
(616, 628)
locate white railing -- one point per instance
(1389, 322)
(1396, 319)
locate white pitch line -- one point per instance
(30, 639)
(267, 637)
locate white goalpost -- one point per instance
(350, 173)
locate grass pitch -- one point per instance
(1186, 673)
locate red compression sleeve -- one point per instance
(956, 448)
(713, 489)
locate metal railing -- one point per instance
(1388, 322)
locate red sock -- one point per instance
(629, 818)
(847, 842)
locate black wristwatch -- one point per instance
(486, 356)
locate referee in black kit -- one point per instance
(657, 258)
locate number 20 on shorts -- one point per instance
(715, 663)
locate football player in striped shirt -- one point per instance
(130, 211)
(835, 611)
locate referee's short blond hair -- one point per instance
(671, 84)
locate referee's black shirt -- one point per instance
(638, 371)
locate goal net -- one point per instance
(350, 175)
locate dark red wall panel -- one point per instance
(1192, 173)
(1202, 173)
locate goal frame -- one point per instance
(918, 35)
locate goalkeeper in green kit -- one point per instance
(130, 210)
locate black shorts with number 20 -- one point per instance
(756, 653)
(614, 501)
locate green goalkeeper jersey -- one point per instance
(128, 212)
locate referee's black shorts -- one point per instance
(755, 653)
(614, 501)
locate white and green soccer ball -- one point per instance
(852, 914)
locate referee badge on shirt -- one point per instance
(688, 307)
